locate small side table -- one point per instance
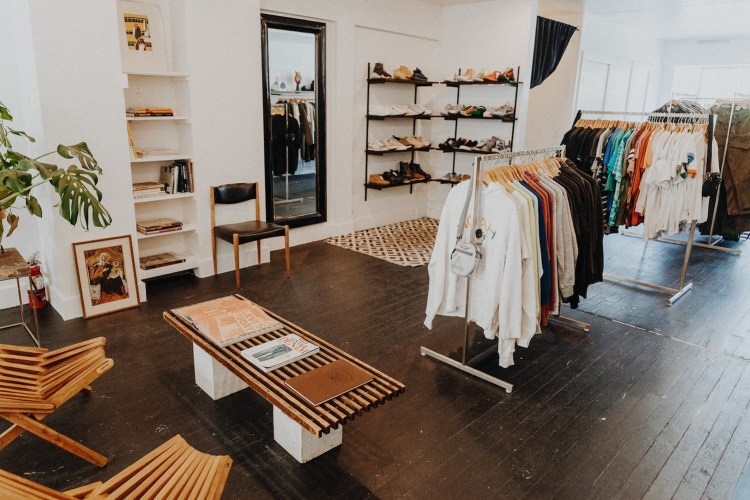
(13, 265)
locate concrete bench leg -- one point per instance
(302, 445)
(213, 377)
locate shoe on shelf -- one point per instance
(378, 110)
(491, 77)
(409, 172)
(398, 110)
(468, 110)
(479, 76)
(379, 72)
(419, 110)
(377, 146)
(403, 73)
(466, 77)
(509, 75)
(453, 109)
(418, 75)
(478, 111)
(393, 177)
(403, 142)
(419, 140)
(418, 171)
(378, 180)
(488, 113)
(394, 145)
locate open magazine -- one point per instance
(279, 352)
(228, 320)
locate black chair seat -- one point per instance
(248, 231)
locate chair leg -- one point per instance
(258, 244)
(286, 252)
(213, 250)
(54, 437)
(237, 260)
(10, 434)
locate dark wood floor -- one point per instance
(619, 412)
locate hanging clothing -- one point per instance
(649, 173)
(541, 247)
(733, 213)
(285, 144)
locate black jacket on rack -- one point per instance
(285, 144)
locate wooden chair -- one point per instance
(243, 232)
(173, 470)
(35, 382)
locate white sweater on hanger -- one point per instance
(496, 284)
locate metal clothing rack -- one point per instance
(282, 103)
(465, 364)
(682, 287)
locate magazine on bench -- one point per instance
(228, 320)
(279, 352)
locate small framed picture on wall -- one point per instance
(141, 37)
(106, 275)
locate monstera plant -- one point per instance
(21, 175)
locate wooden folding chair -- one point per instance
(173, 470)
(35, 382)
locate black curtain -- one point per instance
(552, 38)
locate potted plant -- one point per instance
(21, 175)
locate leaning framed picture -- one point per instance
(106, 275)
(142, 42)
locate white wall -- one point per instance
(288, 52)
(697, 53)
(18, 91)
(552, 103)
(634, 57)
(501, 34)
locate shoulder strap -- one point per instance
(460, 232)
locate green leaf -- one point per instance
(13, 221)
(82, 153)
(80, 198)
(5, 114)
(4, 137)
(21, 133)
(34, 207)
(46, 170)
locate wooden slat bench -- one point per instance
(322, 422)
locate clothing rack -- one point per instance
(282, 104)
(682, 287)
(465, 364)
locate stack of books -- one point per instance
(164, 225)
(160, 260)
(152, 111)
(228, 320)
(177, 177)
(147, 189)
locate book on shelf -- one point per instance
(177, 177)
(160, 260)
(140, 153)
(131, 141)
(279, 352)
(328, 381)
(149, 111)
(228, 320)
(147, 189)
(158, 225)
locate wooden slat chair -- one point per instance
(243, 232)
(35, 382)
(173, 470)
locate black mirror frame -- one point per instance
(318, 29)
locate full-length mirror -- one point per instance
(294, 119)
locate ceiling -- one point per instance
(670, 19)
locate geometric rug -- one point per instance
(407, 243)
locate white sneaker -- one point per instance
(418, 110)
(376, 146)
(398, 110)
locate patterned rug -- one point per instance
(406, 243)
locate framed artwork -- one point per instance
(141, 37)
(106, 275)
